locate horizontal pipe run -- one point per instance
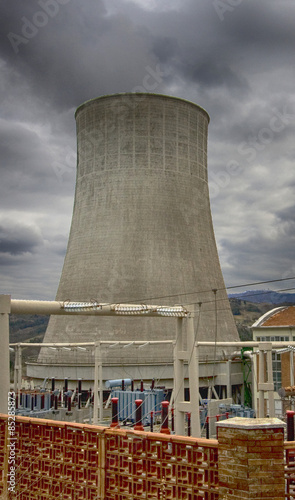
(89, 344)
(44, 307)
(244, 344)
(47, 307)
(141, 342)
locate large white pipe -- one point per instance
(90, 344)
(64, 308)
(88, 308)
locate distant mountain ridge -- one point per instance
(264, 296)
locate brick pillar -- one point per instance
(251, 459)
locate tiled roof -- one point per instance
(282, 317)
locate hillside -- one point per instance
(27, 328)
(245, 314)
(265, 296)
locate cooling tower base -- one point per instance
(225, 374)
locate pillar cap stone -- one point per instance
(5, 304)
(251, 423)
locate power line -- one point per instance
(263, 292)
(143, 300)
(260, 282)
(243, 298)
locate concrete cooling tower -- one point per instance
(141, 233)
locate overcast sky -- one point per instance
(235, 58)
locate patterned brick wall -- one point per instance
(58, 460)
(68, 461)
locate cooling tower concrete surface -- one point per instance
(141, 228)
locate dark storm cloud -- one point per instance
(78, 53)
(286, 219)
(47, 56)
(29, 165)
(17, 239)
(259, 26)
(80, 49)
(274, 260)
(210, 50)
(165, 48)
(18, 144)
(211, 73)
(200, 68)
(239, 66)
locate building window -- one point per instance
(283, 338)
(277, 370)
(276, 358)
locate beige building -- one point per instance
(278, 325)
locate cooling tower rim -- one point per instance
(147, 94)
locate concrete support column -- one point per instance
(178, 389)
(251, 459)
(191, 356)
(271, 402)
(193, 371)
(4, 352)
(268, 385)
(261, 411)
(255, 382)
(98, 389)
